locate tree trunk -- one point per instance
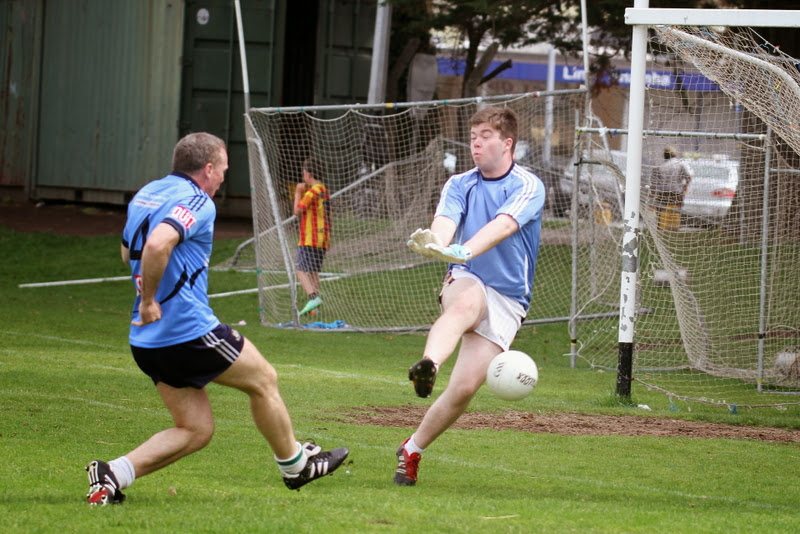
(400, 66)
(472, 79)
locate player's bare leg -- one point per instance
(194, 426)
(253, 375)
(463, 307)
(469, 373)
(310, 284)
(256, 377)
(194, 421)
(307, 282)
(314, 276)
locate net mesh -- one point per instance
(385, 172)
(718, 315)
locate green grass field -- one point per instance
(70, 392)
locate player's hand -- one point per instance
(420, 238)
(148, 313)
(300, 188)
(451, 254)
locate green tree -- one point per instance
(411, 34)
(496, 24)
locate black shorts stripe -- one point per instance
(194, 363)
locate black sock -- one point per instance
(312, 296)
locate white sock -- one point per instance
(295, 464)
(411, 446)
(123, 470)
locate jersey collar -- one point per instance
(499, 177)
(185, 176)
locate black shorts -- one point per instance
(194, 363)
(309, 259)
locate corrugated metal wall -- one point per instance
(96, 92)
(212, 94)
(110, 91)
(19, 88)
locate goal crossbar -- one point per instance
(420, 103)
(770, 18)
(674, 133)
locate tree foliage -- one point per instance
(489, 25)
(485, 26)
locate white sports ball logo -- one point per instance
(512, 375)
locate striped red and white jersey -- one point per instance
(315, 221)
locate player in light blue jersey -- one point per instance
(486, 226)
(177, 340)
(178, 202)
(472, 201)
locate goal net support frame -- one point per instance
(641, 18)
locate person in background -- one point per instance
(177, 340)
(668, 184)
(492, 215)
(312, 206)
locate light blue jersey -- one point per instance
(183, 290)
(472, 201)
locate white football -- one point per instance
(512, 375)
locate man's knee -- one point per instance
(197, 433)
(201, 436)
(465, 308)
(266, 379)
(460, 394)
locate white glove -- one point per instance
(451, 254)
(420, 238)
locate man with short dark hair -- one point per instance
(177, 340)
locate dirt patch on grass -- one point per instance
(572, 424)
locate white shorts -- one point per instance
(504, 315)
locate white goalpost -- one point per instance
(734, 319)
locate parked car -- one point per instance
(708, 198)
(711, 190)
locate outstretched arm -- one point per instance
(445, 228)
(485, 239)
(441, 231)
(494, 232)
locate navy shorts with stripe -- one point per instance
(194, 363)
